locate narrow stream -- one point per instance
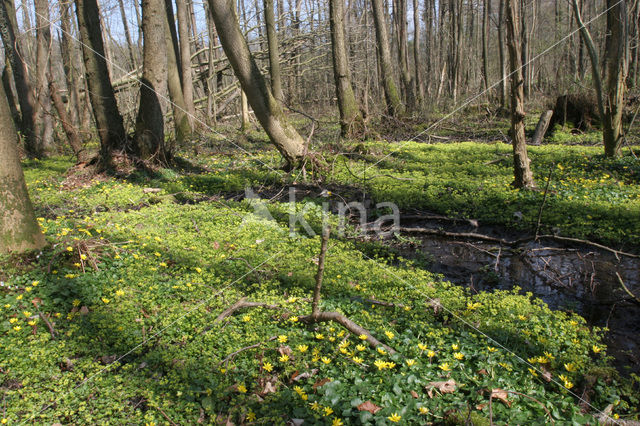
(582, 280)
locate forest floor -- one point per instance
(126, 317)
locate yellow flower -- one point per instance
(491, 349)
(157, 254)
(83, 256)
(381, 351)
(315, 406)
(455, 347)
(282, 338)
(251, 416)
(332, 339)
(284, 358)
(293, 319)
(423, 410)
(319, 336)
(119, 292)
(242, 389)
(568, 384)
(394, 418)
(357, 360)
(458, 356)
(361, 347)
(343, 344)
(431, 353)
(390, 364)
(4, 421)
(328, 411)
(28, 289)
(298, 390)
(570, 367)
(380, 364)
(549, 355)
(445, 366)
(35, 283)
(596, 349)
(32, 322)
(522, 318)
(411, 362)
(362, 337)
(17, 328)
(246, 318)
(326, 360)
(13, 320)
(164, 265)
(422, 346)
(336, 422)
(69, 248)
(344, 351)
(389, 334)
(267, 366)
(199, 270)
(533, 372)
(19, 297)
(303, 348)
(105, 300)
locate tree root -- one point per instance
(241, 304)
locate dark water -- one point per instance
(581, 280)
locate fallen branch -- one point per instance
(241, 304)
(246, 348)
(633, 296)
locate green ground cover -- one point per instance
(146, 274)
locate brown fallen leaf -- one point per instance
(414, 394)
(546, 375)
(502, 395)
(483, 372)
(321, 382)
(444, 387)
(305, 375)
(285, 350)
(369, 406)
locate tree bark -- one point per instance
(127, 35)
(176, 94)
(103, 101)
(503, 68)
(392, 98)
(417, 60)
(150, 122)
(400, 18)
(274, 53)
(13, 54)
(522, 171)
(72, 135)
(265, 106)
(68, 66)
(19, 230)
(351, 123)
(485, 43)
(42, 108)
(185, 59)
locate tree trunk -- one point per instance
(503, 68)
(244, 112)
(400, 18)
(127, 36)
(394, 105)
(611, 102)
(351, 123)
(616, 67)
(13, 55)
(521, 170)
(485, 43)
(274, 52)
(68, 66)
(150, 123)
(19, 230)
(185, 59)
(174, 82)
(265, 106)
(103, 101)
(42, 108)
(417, 60)
(70, 131)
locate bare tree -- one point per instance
(274, 52)
(103, 101)
(521, 167)
(150, 123)
(615, 66)
(19, 230)
(265, 106)
(351, 123)
(42, 108)
(394, 105)
(185, 58)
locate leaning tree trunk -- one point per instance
(394, 105)
(103, 101)
(13, 55)
(266, 108)
(521, 169)
(149, 140)
(274, 53)
(19, 230)
(351, 123)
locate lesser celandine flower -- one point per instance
(445, 366)
(411, 362)
(361, 347)
(282, 338)
(431, 353)
(395, 418)
(267, 366)
(458, 355)
(284, 358)
(362, 337)
(303, 348)
(423, 410)
(326, 360)
(422, 346)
